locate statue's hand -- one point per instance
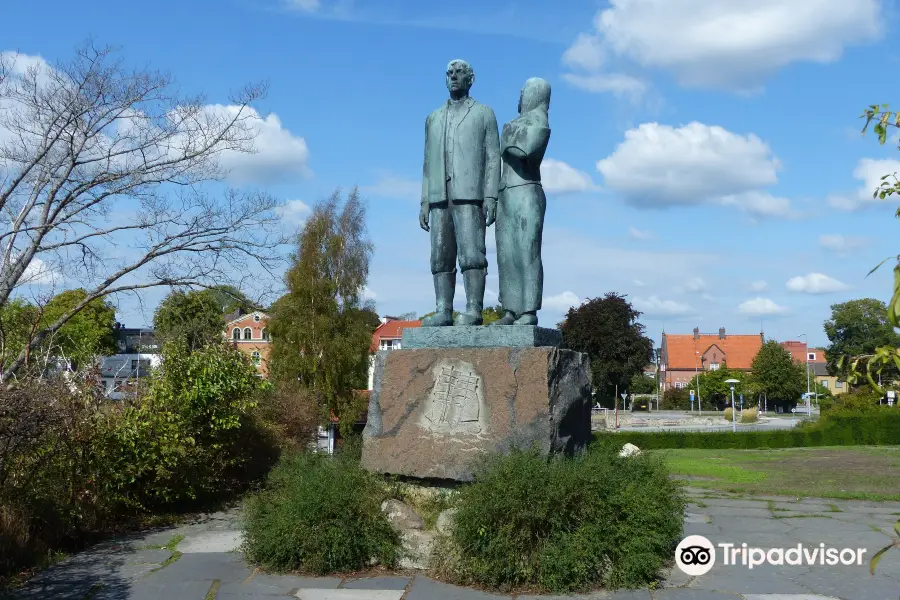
(423, 216)
(490, 211)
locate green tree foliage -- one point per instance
(18, 321)
(87, 334)
(858, 328)
(228, 299)
(322, 329)
(641, 384)
(192, 319)
(713, 389)
(608, 331)
(776, 375)
(491, 314)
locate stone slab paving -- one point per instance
(208, 565)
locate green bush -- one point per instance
(842, 428)
(563, 524)
(861, 399)
(183, 441)
(675, 399)
(74, 465)
(319, 515)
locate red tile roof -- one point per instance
(798, 352)
(681, 350)
(391, 330)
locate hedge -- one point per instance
(878, 428)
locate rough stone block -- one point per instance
(432, 412)
(477, 336)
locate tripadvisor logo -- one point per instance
(695, 555)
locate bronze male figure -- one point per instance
(460, 178)
(520, 214)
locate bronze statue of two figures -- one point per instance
(473, 178)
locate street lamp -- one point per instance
(808, 405)
(699, 404)
(731, 383)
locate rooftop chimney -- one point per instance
(721, 333)
(696, 333)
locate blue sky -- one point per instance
(705, 160)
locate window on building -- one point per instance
(838, 384)
(265, 333)
(256, 318)
(236, 334)
(679, 385)
(256, 357)
(248, 333)
(824, 383)
(811, 356)
(142, 364)
(714, 366)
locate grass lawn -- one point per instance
(859, 472)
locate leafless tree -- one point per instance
(112, 179)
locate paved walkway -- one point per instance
(207, 565)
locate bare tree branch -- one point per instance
(109, 176)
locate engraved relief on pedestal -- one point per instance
(456, 402)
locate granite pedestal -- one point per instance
(434, 410)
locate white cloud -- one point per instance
(815, 283)
(758, 286)
(840, 244)
(586, 52)
(368, 293)
(391, 186)
(758, 307)
(617, 84)
(693, 285)
(38, 272)
(639, 234)
(561, 302)
(558, 177)
(732, 45)
(279, 155)
(869, 171)
(639, 283)
(304, 5)
(294, 211)
(660, 165)
(656, 307)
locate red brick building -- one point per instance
(684, 356)
(248, 333)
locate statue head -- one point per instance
(535, 95)
(460, 77)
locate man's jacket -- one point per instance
(464, 165)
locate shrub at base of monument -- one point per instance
(563, 525)
(320, 515)
(433, 411)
